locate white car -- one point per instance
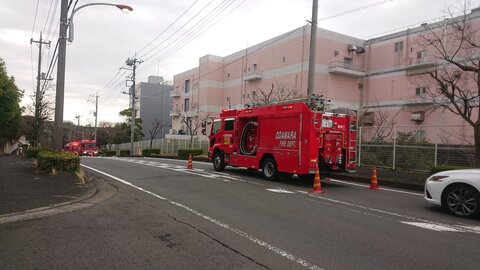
(458, 191)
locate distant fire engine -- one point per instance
(82, 148)
(287, 138)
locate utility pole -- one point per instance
(313, 48)
(133, 64)
(96, 116)
(78, 125)
(37, 92)
(60, 92)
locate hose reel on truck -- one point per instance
(248, 139)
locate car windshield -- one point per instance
(90, 145)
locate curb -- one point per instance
(98, 191)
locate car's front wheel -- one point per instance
(218, 161)
(462, 201)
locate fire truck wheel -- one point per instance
(218, 162)
(269, 169)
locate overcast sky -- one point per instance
(105, 37)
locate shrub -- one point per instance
(124, 153)
(444, 167)
(110, 153)
(149, 152)
(33, 152)
(184, 153)
(48, 161)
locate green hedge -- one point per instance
(124, 153)
(110, 153)
(63, 161)
(149, 152)
(444, 167)
(33, 152)
(184, 153)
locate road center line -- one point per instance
(239, 232)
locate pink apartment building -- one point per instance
(383, 79)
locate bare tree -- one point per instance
(279, 92)
(157, 126)
(383, 124)
(193, 118)
(455, 82)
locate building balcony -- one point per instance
(347, 69)
(174, 113)
(174, 94)
(420, 65)
(252, 75)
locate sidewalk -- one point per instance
(23, 187)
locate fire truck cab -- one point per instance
(82, 148)
(286, 138)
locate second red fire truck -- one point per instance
(82, 148)
(287, 138)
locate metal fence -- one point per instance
(166, 146)
(416, 148)
(410, 148)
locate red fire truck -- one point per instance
(287, 138)
(82, 148)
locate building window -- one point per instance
(187, 86)
(283, 59)
(419, 91)
(421, 54)
(186, 106)
(399, 46)
(347, 61)
(228, 75)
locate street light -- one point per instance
(124, 8)
(62, 47)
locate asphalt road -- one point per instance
(167, 217)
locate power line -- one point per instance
(356, 9)
(196, 27)
(180, 28)
(178, 18)
(52, 19)
(185, 37)
(188, 34)
(35, 18)
(187, 40)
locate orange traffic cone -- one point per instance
(317, 186)
(189, 164)
(374, 182)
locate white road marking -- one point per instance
(214, 175)
(430, 226)
(474, 228)
(382, 188)
(418, 220)
(279, 190)
(458, 228)
(226, 226)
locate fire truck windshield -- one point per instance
(216, 127)
(90, 145)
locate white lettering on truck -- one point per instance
(286, 138)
